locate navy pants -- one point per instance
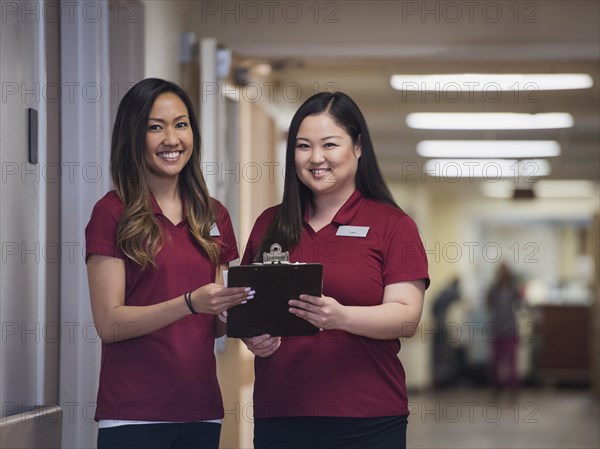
(196, 435)
(327, 432)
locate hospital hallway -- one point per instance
(540, 417)
(482, 119)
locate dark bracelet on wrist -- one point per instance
(188, 301)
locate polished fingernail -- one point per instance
(247, 289)
(252, 292)
(244, 302)
(249, 297)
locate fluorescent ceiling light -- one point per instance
(492, 81)
(502, 189)
(486, 120)
(550, 189)
(490, 169)
(488, 148)
(262, 69)
(566, 189)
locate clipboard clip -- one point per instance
(276, 255)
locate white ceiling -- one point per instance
(357, 45)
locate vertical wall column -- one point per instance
(209, 111)
(85, 149)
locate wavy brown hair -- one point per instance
(138, 234)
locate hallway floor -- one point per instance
(534, 418)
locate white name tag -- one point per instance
(353, 231)
(214, 231)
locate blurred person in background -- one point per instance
(448, 356)
(503, 299)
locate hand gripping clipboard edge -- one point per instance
(268, 312)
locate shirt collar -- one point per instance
(346, 213)
(156, 210)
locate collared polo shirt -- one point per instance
(335, 373)
(169, 374)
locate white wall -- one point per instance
(165, 21)
(85, 144)
(23, 217)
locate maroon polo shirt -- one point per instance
(169, 374)
(335, 373)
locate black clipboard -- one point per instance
(268, 312)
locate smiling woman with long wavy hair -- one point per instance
(156, 247)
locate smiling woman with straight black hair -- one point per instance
(286, 228)
(156, 247)
(345, 387)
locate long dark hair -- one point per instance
(286, 227)
(138, 234)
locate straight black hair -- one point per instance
(286, 227)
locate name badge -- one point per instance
(214, 231)
(353, 231)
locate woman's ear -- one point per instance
(358, 146)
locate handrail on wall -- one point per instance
(38, 428)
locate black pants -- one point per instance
(325, 432)
(196, 435)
